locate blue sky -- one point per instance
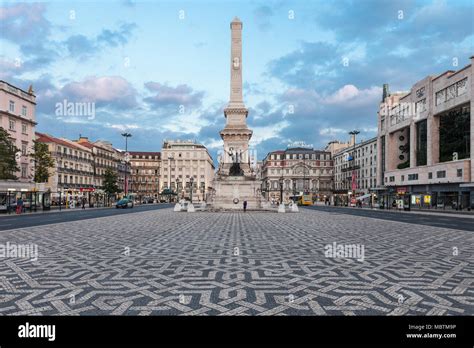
(159, 76)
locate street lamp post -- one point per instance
(126, 136)
(354, 133)
(191, 181)
(281, 189)
(169, 177)
(177, 189)
(268, 190)
(304, 173)
(294, 189)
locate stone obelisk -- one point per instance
(236, 134)
(235, 182)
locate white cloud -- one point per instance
(350, 96)
(263, 133)
(122, 127)
(101, 89)
(332, 131)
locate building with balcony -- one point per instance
(105, 157)
(145, 174)
(18, 118)
(425, 142)
(72, 176)
(355, 172)
(124, 171)
(301, 170)
(182, 160)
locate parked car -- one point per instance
(124, 203)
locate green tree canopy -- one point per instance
(8, 165)
(43, 161)
(110, 182)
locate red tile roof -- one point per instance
(46, 138)
(86, 144)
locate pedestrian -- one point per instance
(245, 206)
(19, 206)
(83, 203)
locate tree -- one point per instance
(110, 182)
(43, 161)
(8, 164)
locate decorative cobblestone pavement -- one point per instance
(165, 263)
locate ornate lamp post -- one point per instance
(304, 173)
(126, 136)
(281, 188)
(353, 133)
(267, 189)
(177, 189)
(191, 181)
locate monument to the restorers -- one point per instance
(235, 182)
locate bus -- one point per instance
(303, 199)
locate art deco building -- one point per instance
(182, 160)
(426, 141)
(303, 170)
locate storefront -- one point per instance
(397, 197)
(442, 196)
(30, 200)
(341, 198)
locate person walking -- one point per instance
(19, 206)
(245, 206)
(83, 203)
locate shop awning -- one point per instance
(367, 195)
(467, 184)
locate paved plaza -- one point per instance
(257, 263)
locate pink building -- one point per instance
(17, 116)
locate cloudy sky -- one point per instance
(160, 70)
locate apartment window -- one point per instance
(403, 178)
(392, 179)
(441, 174)
(24, 148)
(459, 173)
(11, 106)
(430, 175)
(11, 125)
(24, 128)
(412, 176)
(24, 170)
(23, 110)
